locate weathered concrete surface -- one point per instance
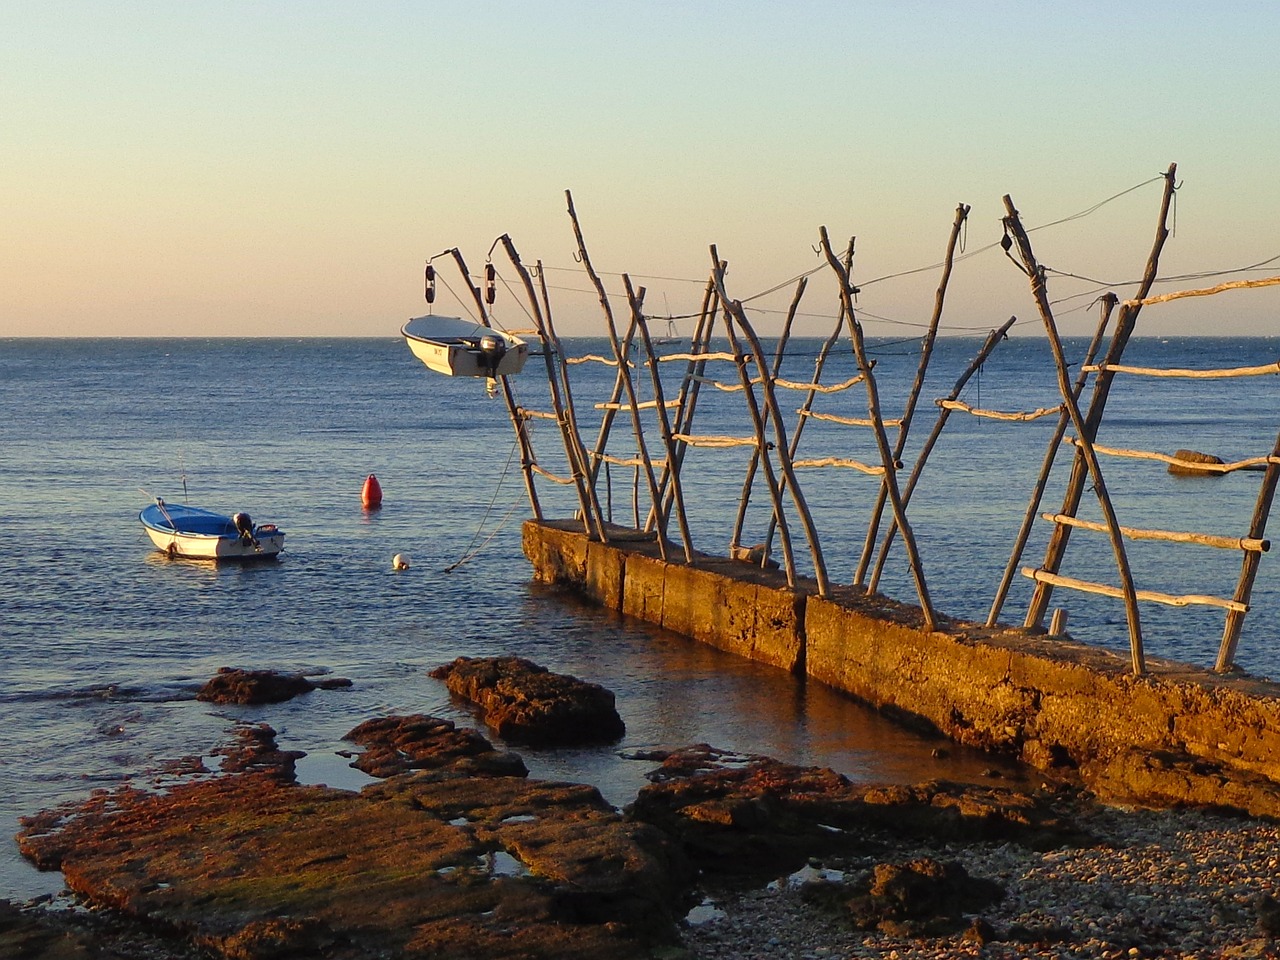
(1178, 735)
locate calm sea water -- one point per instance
(105, 641)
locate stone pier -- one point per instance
(1178, 735)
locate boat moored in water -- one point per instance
(462, 348)
(183, 531)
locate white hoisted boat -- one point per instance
(462, 348)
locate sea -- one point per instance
(106, 641)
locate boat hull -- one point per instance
(459, 348)
(196, 534)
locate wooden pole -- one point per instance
(757, 420)
(562, 370)
(588, 503)
(1046, 465)
(926, 351)
(527, 458)
(1040, 294)
(1125, 323)
(789, 480)
(1249, 565)
(994, 339)
(753, 465)
(636, 300)
(818, 365)
(624, 371)
(882, 441)
(687, 400)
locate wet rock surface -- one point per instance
(755, 816)
(526, 703)
(395, 745)
(434, 863)
(232, 685)
(450, 858)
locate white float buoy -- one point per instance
(400, 562)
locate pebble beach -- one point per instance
(1169, 884)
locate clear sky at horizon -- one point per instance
(284, 168)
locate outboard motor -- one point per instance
(492, 349)
(244, 526)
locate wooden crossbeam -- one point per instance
(1136, 533)
(839, 462)
(1106, 590)
(1196, 465)
(847, 421)
(1266, 369)
(1018, 416)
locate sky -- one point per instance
(279, 168)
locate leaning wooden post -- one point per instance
(926, 351)
(757, 420)
(687, 399)
(754, 463)
(624, 371)
(570, 409)
(818, 365)
(636, 300)
(1040, 294)
(592, 518)
(1125, 323)
(994, 338)
(789, 480)
(527, 458)
(1046, 466)
(1249, 568)
(882, 441)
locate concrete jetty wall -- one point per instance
(1178, 735)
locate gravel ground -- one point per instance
(1181, 884)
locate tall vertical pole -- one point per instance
(1125, 324)
(1040, 294)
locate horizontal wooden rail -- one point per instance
(538, 414)
(1021, 416)
(709, 441)
(838, 462)
(847, 421)
(1203, 291)
(668, 357)
(595, 358)
(818, 387)
(1266, 369)
(646, 405)
(550, 476)
(1196, 465)
(626, 462)
(721, 385)
(1106, 590)
(1173, 536)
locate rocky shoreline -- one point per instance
(456, 853)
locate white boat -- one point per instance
(461, 348)
(672, 339)
(182, 531)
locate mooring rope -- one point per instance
(473, 550)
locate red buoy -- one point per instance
(371, 495)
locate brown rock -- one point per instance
(524, 702)
(919, 898)
(419, 865)
(1193, 457)
(231, 685)
(419, 742)
(756, 816)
